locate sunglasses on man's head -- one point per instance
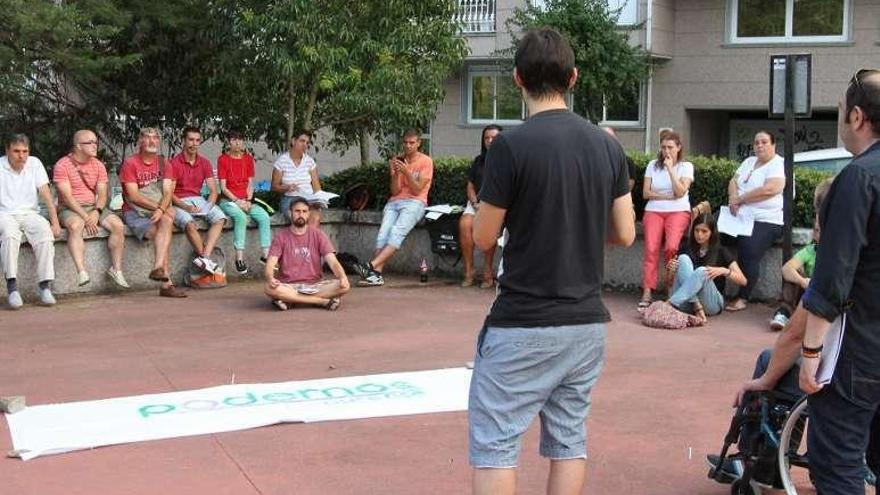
(860, 74)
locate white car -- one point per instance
(827, 160)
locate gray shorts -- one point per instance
(212, 214)
(139, 225)
(521, 373)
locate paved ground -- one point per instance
(660, 406)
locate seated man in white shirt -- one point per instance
(22, 179)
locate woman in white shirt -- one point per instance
(295, 173)
(756, 191)
(668, 211)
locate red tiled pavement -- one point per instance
(661, 404)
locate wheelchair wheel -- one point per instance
(741, 487)
(793, 445)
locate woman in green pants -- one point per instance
(235, 169)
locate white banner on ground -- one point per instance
(59, 428)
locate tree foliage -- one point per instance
(374, 66)
(53, 56)
(608, 66)
(263, 66)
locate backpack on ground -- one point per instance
(198, 278)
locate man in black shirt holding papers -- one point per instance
(847, 280)
(560, 187)
(844, 412)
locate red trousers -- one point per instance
(661, 229)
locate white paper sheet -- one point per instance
(59, 428)
(831, 350)
(735, 225)
(442, 209)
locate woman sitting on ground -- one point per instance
(756, 191)
(701, 269)
(668, 211)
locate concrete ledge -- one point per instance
(352, 232)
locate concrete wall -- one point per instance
(350, 232)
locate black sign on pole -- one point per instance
(790, 90)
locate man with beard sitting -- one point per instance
(299, 252)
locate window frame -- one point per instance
(629, 7)
(788, 37)
(495, 74)
(625, 123)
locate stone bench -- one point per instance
(352, 232)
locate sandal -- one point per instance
(643, 304)
(281, 305)
(736, 305)
(333, 304)
(467, 282)
(487, 284)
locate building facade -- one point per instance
(710, 75)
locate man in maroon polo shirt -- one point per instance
(191, 170)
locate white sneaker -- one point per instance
(82, 278)
(205, 264)
(14, 300)
(778, 322)
(210, 265)
(46, 297)
(118, 278)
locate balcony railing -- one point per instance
(477, 16)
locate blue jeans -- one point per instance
(398, 218)
(693, 285)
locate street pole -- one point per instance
(788, 196)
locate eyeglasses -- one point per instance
(93, 141)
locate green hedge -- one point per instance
(711, 176)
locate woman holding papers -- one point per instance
(296, 174)
(668, 211)
(755, 194)
(235, 169)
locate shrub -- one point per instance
(711, 176)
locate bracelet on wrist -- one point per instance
(810, 355)
(811, 350)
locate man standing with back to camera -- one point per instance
(559, 185)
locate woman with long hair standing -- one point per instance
(668, 210)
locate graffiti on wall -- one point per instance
(808, 135)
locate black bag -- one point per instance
(444, 234)
(349, 263)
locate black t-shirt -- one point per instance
(475, 174)
(557, 176)
(723, 259)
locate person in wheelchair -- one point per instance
(763, 406)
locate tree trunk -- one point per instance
(291, 112)
(310, 106)
(365, 146)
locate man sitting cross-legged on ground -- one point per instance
(191, 170)
(300, 251)
(81, 181)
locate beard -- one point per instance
(299, 222)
